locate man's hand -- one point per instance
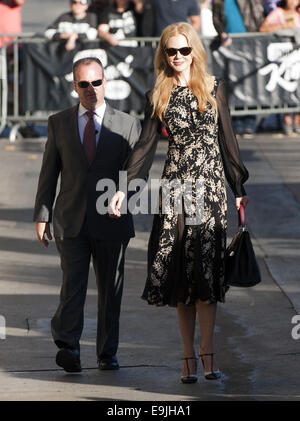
(43, 232)
(115, 204)
(103, 33)
(71, 41)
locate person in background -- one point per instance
(238, 16)
(10, 18)
(145, 20)
(118, 21)
(167, 12)
(11, 23)
(98, 6)
(77, 24)
(285, 16)
(207, 25)
(269, 5)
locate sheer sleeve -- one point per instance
(235, 171)
(140, 159)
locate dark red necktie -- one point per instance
(89, 137)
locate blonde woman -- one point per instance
(185, 260)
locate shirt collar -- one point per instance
(98, 111)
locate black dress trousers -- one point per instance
(108, 262)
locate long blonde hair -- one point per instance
(200, 81)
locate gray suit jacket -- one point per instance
(77, 197)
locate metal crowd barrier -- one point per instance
(14, 120)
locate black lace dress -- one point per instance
(188, 236)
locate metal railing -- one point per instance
(14, 120)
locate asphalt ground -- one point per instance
(255, 350)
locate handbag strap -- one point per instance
(241, 213)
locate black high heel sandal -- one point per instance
(210, 375)
(190, 378)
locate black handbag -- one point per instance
(241, 267)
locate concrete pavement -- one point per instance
(256, 353)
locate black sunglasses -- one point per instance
(184, 51)
(84, 84)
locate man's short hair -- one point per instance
(86, 61)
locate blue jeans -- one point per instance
(244, 124)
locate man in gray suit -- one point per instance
(86, 143)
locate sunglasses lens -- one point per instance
(97, 82)
(184, 51)
(171, 51)
(84, 84)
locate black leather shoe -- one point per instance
(110, 363)
(69, 360)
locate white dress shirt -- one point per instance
(83, 119)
